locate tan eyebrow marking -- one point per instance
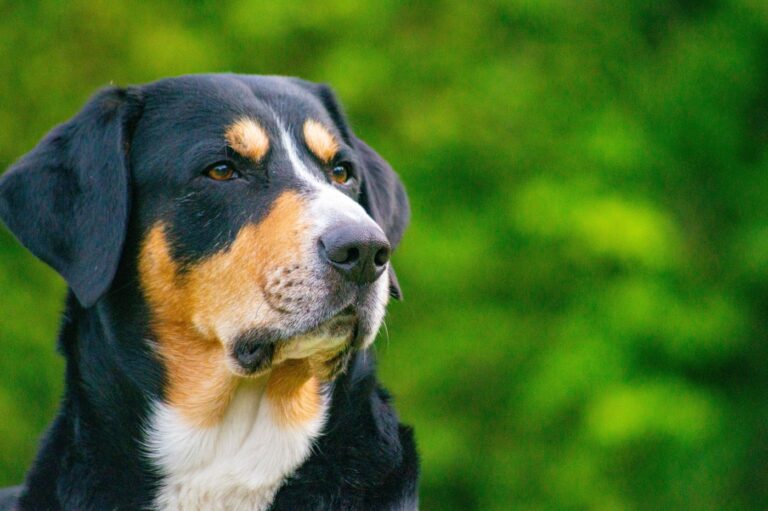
(248, 138)
(320, 141)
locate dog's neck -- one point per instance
(232, 442)
(221, 440)
(238, 463)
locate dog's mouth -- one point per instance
(326, 345)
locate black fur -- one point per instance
(365, 458)
(82, 201)
(56, 197)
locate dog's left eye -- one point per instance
(221, 171)
(341, 173)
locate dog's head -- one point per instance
(257, 224)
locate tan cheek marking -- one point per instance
(187, 308)
(248, 138)
(320, 141)
(294, 392)
(229, 283)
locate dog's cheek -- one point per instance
(159, 278)
(197, 313)
(233, 291)
(225, 291)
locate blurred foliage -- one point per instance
(586, 273)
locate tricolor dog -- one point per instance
(226, 242)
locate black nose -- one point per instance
(358, 251)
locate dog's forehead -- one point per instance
(187, 122)
(208, 104)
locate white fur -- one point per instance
(379, 299)
(293, 156)
(329, 206)
(236, 465)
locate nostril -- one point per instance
(353, 254)
(382, 256)
(342, 254)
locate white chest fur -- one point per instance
(236, 465)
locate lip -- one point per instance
(323, 343)
(257, 351)
(346, 315)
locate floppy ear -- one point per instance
(383, 194)
(67, 200)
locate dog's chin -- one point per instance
(326, 347)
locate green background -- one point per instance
(586, 272)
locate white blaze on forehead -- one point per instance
(328, 205)
(294, 157)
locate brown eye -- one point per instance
(340, 173)
(221, 172)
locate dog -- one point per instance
(226, 244)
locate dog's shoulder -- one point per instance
(365, 458)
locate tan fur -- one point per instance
(320, 140)
(248, 138)
(294, 391)
(191, 309)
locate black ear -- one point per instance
(383, 194)
(67, 200)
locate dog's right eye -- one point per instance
(222, 171)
